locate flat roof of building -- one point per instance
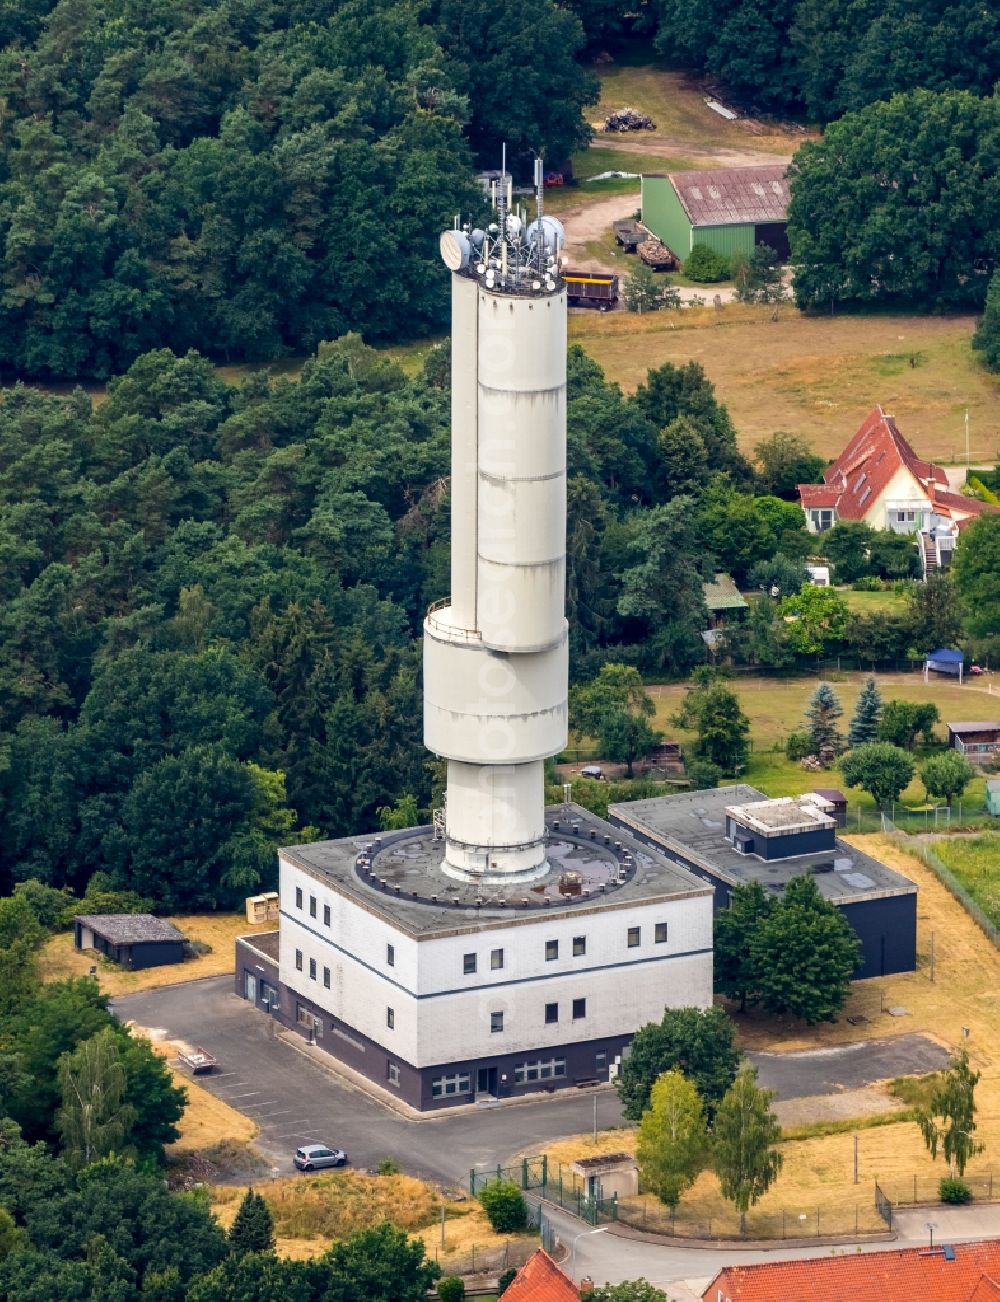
(405, 885)
(787, 814)
(129, 928)
(693, 826)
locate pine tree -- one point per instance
(822, 715)
(253, 1228)
(865, 722)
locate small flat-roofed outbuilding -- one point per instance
(133, 940)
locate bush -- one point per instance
(798, 746)
(506, 1279)
(953, 1190)
(388, 1166)
(705, 265)
(504, 1206)
(867, 583)
(451, 1289)
(703, 774)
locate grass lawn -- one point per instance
(975, 861)
(886, 600)
(815, 376)
(818, 1172)
(678, 108)
(61, 959)
(776, 707)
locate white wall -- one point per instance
(624, 987)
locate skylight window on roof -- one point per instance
(865, 496)
(757, 188)
(713, 192)
(695, 192)
(859, 481)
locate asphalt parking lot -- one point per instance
(848, 1067)
(296, 1101)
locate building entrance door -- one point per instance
(251, 987)
(486, 1081)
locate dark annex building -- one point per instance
(133, 940)
(735, 834)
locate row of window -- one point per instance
(312, 969)
(390, 950)
(470, 962)
(312, 906)
(551, 1015)
(543, 1069)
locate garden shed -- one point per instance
(730, 209)
(133, 940)
(993, 796)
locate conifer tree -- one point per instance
(253, 1228)
(822, 715)
(864, 725)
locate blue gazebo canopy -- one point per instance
(945, 661)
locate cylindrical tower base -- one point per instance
(495, 822)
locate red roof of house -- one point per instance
(900, 1275)
(864, 470)
(541, 1280)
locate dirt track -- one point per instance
(699, 155)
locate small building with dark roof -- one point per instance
(730, 209)
(133, 940)
(730, 836)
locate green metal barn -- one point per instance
(730, 210)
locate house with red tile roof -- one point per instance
(967, 1272)
(541, 1280)
(880, 480)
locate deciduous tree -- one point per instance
(744, 1143)
(881, 769)
(672, 1142)
(701, 1044)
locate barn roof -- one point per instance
(733, 196)
(129, 928)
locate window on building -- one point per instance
(390, 1018)
(390, 955)
(298, 897)
(579, 1009)
(600, 1063)
(544, 1069)
(468, 964)
(551, 950)
(551, 1014)
(312, 969)
(660, 933)
(298, 960)
(326, 977)
(496, 959)
(392, 1073)
(445, 1085)
(326, 915)
(496, 1022)
(579, 946)
(901, 517)
(634, 937)
(312, 906)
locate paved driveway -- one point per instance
(848, 1067)
(295, 1101)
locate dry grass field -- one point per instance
(818, 1171)
(684, 122)
(815, 376)
(61, 959)
(309, 1213)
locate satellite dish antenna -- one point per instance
(455, 250)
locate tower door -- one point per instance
(486, 1081)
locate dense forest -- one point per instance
(824, 58)
(212, 597)
(251, 179)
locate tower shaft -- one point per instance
(495, 655)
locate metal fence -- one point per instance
(950, 882)
(921, 1190)
(529, 1173)
(485, 1260)
(793, 1222)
